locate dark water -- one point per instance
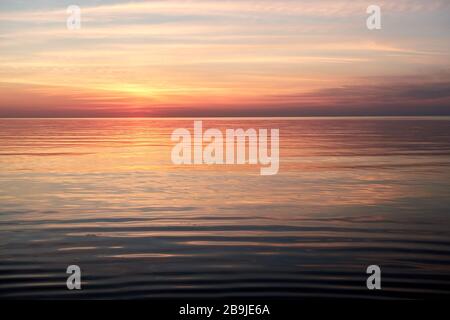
(104, 195)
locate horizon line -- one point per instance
(239, 117)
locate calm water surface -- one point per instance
(103, 194)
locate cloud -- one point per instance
(236, 8)
(388, 98)
(163, 56)
(393, 97)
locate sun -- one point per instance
(137, 90)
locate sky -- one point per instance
(224, 58)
